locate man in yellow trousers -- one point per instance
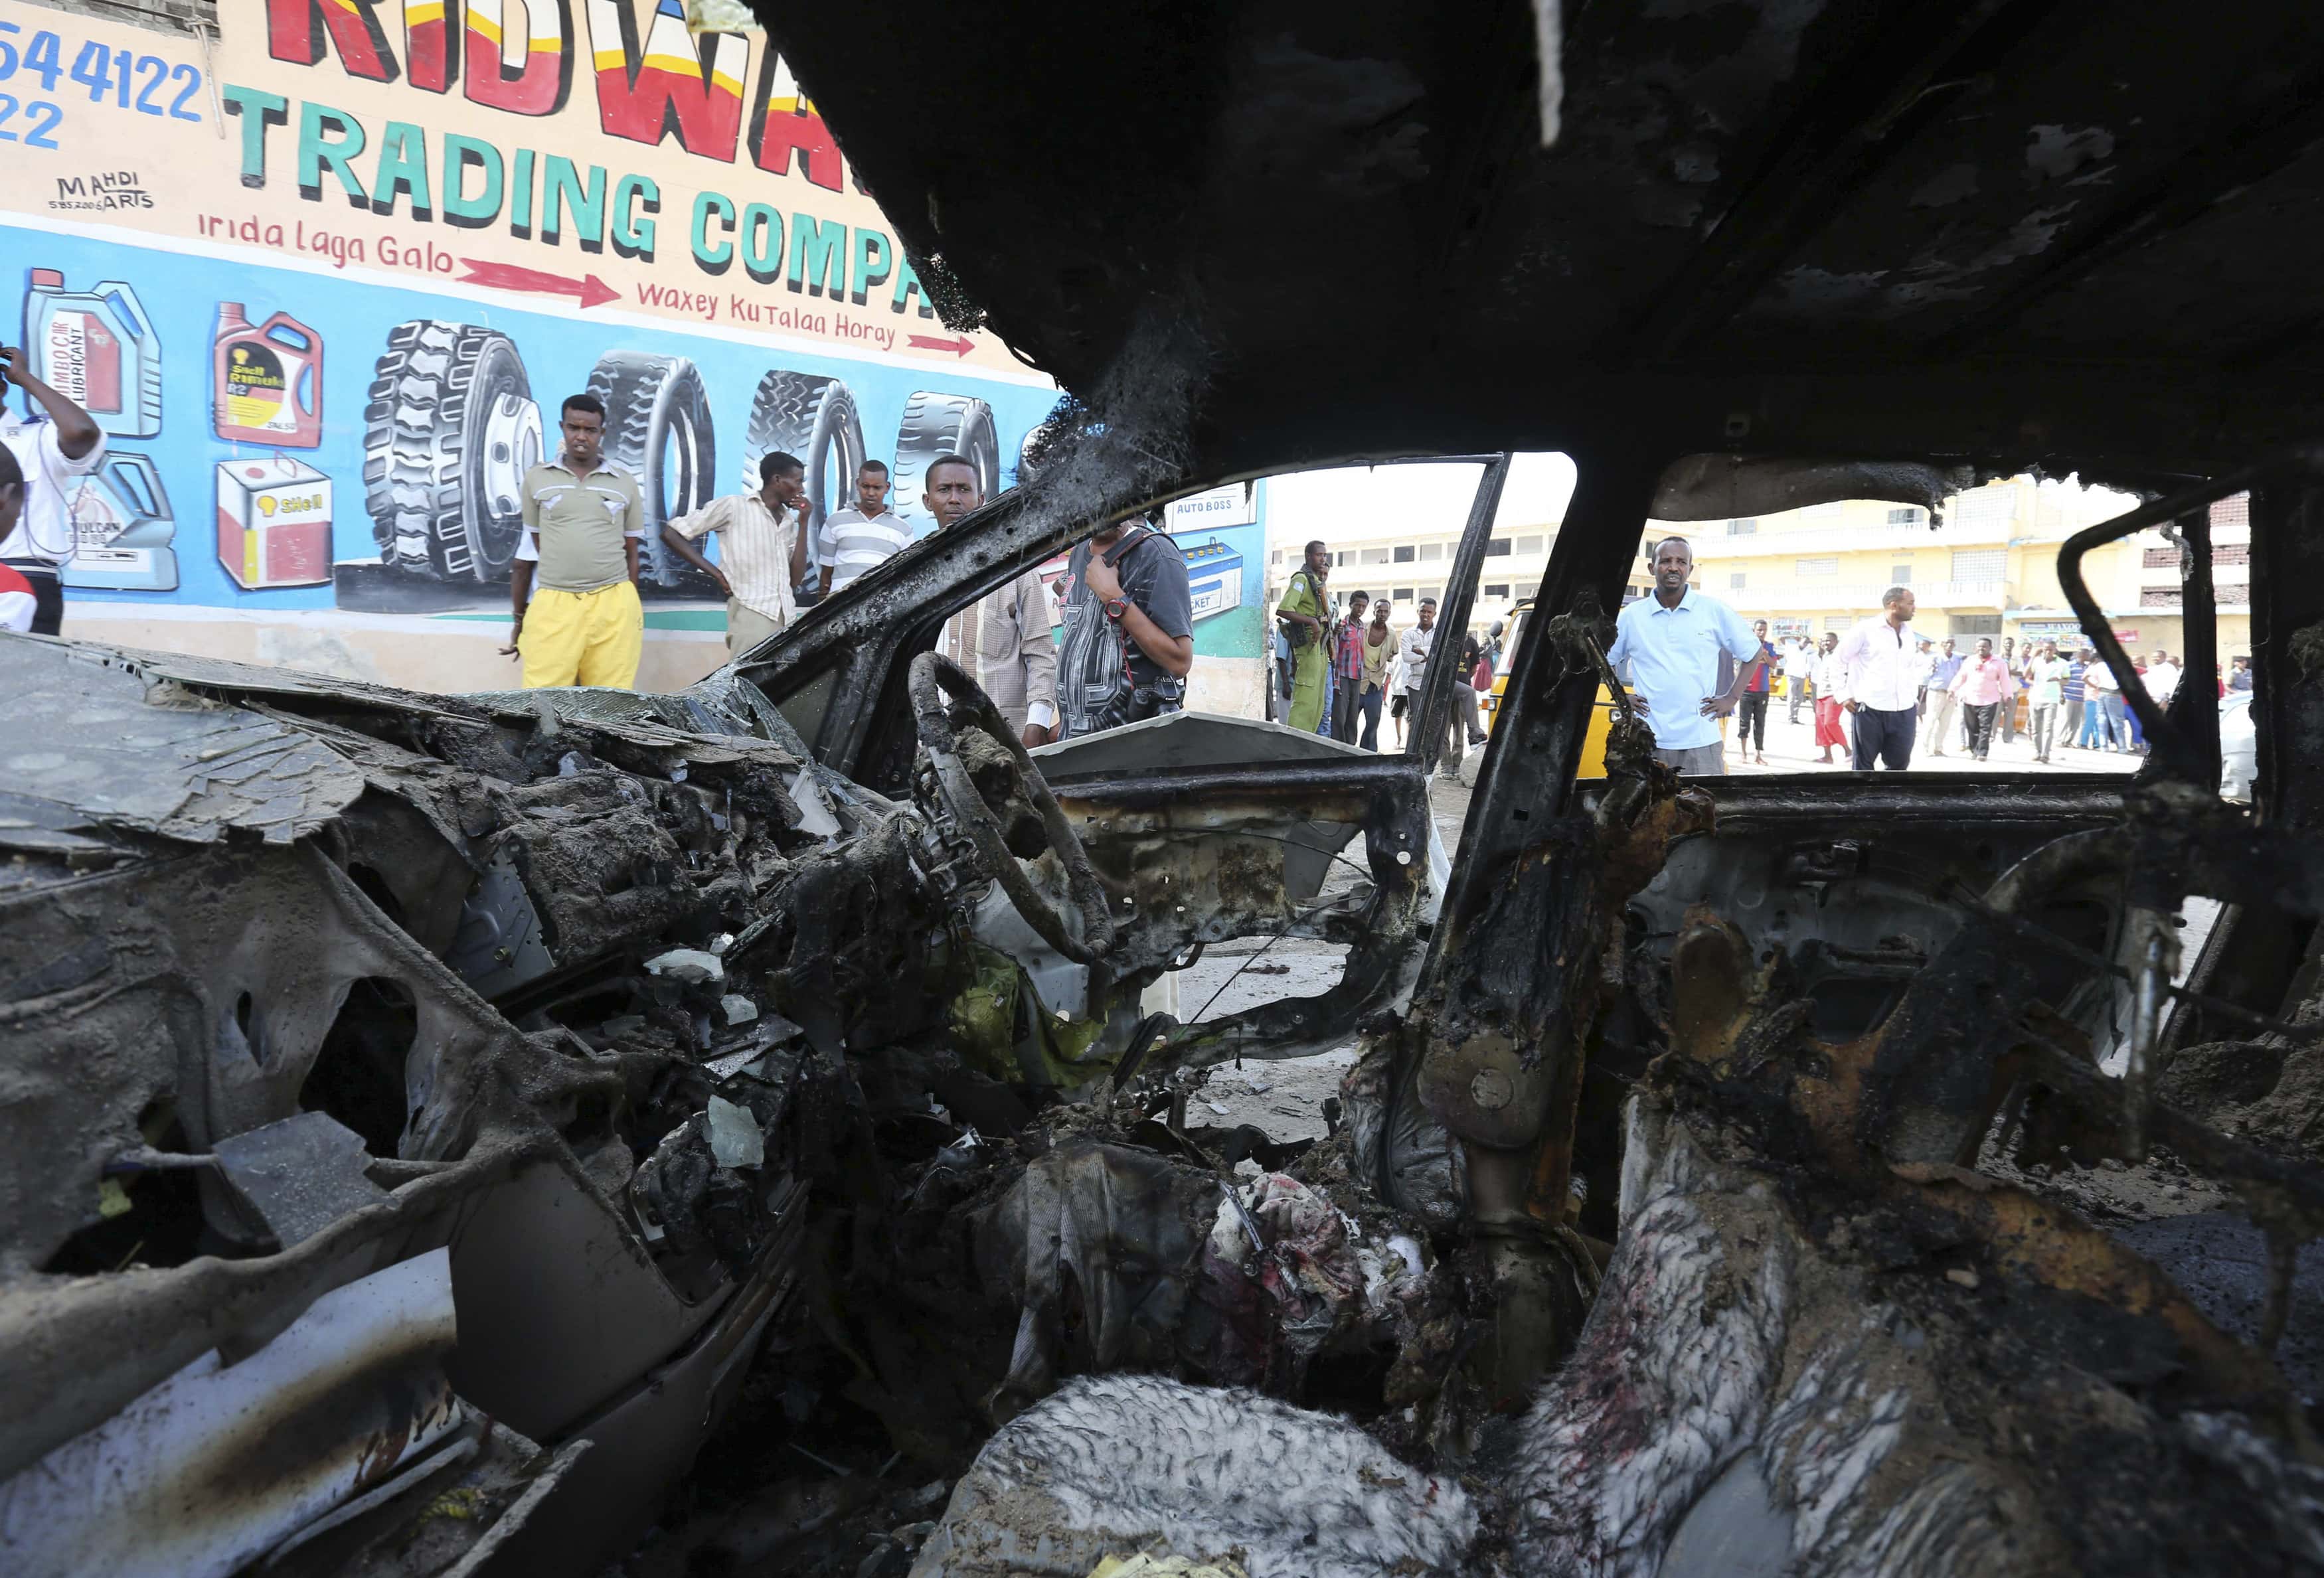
(583, 522)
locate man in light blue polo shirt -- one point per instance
(1668, 645)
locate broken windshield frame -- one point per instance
(837, 672)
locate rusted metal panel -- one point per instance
(220, 1463)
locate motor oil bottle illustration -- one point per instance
(123, 533)
(268, 381)
(99, 348)
(273, 522)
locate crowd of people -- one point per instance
(1123, 604)
(1111, 643)
(1875, 691)
(1337, 666)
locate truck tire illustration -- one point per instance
(449, 430)
(814, 418)
(943, 424)
(657, 426)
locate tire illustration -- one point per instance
(449, 430)
(657, 426)
(943, 424)
(815, 419)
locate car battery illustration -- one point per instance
(273, 522)
(99, 349)
(122, 529)
(1214, 578)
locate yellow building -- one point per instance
(1989, 568)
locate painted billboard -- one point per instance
(325, 284)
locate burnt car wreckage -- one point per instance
(427, 1115)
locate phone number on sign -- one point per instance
(141, 84)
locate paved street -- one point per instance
(1791, 748)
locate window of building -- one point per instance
(1746, 527)
(1529, 544)
(1279, 555)
(1339, 558)
(1403, 554)
(1498, 548)
(1828, 565)
(1735, 581)
(1500, 591)
(1435, 592)
(1905, 516)
(1900, 575)
(1986, 507)
(1374, 556)
(1838, 622)
(1401, 594)
(1976, 624)
(1978, 564)
(1431, 551)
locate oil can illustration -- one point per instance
(99, 348)
(273, 522)
(123, 533)
(267, 381)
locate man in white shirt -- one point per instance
(1825, 674)
(1670, 642)
(1879, 682)
(53, 447)
(1798, 662)
(17, 603)
(862, 536)
(762, 555)
(1412, 648)
(2161, 678)
(1006, 641)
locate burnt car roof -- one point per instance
(2049, 229)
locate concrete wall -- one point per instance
(161, 16)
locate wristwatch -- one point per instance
(1115, 607)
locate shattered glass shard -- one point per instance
(692, 966)
(734, 1136)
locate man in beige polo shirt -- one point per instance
(1004, 639)
(583, 522)
(762, 554)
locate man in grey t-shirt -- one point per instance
(1129, 610)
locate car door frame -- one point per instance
(860, 643)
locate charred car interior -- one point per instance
(751, 1128)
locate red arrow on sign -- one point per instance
(958, 347)
(592, 290)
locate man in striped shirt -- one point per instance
(864, 535)
(762, 550)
